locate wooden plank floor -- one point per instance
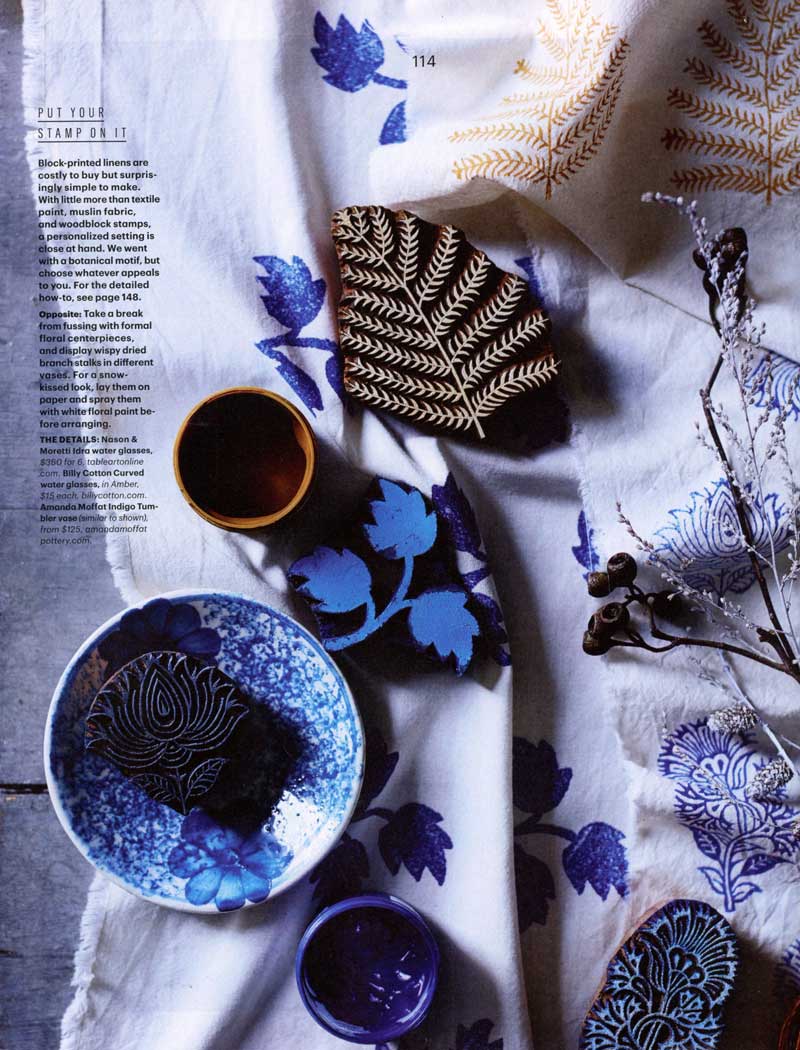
(51, 598)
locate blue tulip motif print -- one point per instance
(351, 59)
(595, 855)
(411, 836)
(294, 299)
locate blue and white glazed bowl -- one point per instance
(192, 863)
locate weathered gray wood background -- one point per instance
(51, 598)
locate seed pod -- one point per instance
(621, 570)
(613, 616)
(593, 645)
(598, 584)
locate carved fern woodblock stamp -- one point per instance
(554, 127)
(746, 115)
(429, 327)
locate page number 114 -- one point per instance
(424, 60)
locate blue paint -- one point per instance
(706, 534)
(595, 855)
(742, 838)
(665, 987)
(351, 58)
(294, 299)
(367, 968)
(131, 838)
(403, 527)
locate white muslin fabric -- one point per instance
(261, 119)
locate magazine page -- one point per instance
(380, 376)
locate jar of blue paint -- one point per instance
(367, 968)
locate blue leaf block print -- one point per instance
(784, 394)
(585, 553)
(411, 836)
(351, 59)
(666, 985)
(742, 838)
(703, 543)
(477, 1036)
(595, 855)
(159, 625)
(224, 864)
(341, 873)
(294, 299)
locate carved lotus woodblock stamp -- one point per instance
(166, 720)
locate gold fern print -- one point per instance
(557, 123)
(747, 120)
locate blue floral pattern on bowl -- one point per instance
(195, 864)
(224, 864)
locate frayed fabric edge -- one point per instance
(92, 922)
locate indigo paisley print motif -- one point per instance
(666, 985)
(594, 856)
(160, 625)
(703, 542)
(293, 298)
(225, 865)
(411, 836)
(351, 59)
(785, 386)
(741, 838)
(585, 552)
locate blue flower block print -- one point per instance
(740, 838)
(393, 573)
(665, 987)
